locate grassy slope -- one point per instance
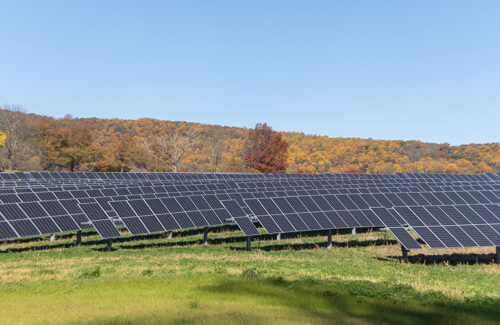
(157, 280)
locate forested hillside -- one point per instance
(36, 142)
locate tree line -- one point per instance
(34, 142)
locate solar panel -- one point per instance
(100, 221)
(405, 238)
(247, 226)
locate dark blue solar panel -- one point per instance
(441, 196)
(485, 213)
(183, 220)
(106, 229)
(386, 217)
(66, 223)
(247, 226)
(310, 221)
(382, 199)
(234, 209)
(336, 220)
(46, 225)
(445, 237)
(455, 214)
(470, 214)
(283, 205)
(270, 206)
(477, 236)
(490, 234)
(152, 224)
(440, 216)
(168, 222)
(370, 199)
(297, 222)
(347, 202)
(172, 205)
(6, 231)
(268, 223)
(348, 219)
(322, 220)
(429, 237)
(25, 228)
(283, 223)
(405, 238)
(296, 204)
(395, 200)
(409, 217)
(461, 236)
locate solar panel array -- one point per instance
(444, 210)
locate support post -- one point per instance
(109, 246)
(53, 237)
(497, 257)
(205, 236)
(405, 254)
(278, 236)
(170, 235)
(330, 245)
(249, 243)
(79, 238)
(354, 231)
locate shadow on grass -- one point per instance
(305, 246)
(38, 246)
(48, 246)
(345, 301)
(252, 299)
(448, 259)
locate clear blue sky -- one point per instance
(425, 70)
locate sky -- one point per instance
(410, 70)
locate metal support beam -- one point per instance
(330, 245)
(405, 254)
(249, 243)
(79, 238)
(497, 257)
(53, 237)
(109, 246)
(205, 236)
(278, 236)
(171, 235)
(354, 231)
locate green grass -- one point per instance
(294, 281)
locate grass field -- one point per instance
(156, 280)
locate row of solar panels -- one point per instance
(473, 194)
(148, 209)
(340, 202)
(251, 184)
(184, 177)
(226, 185)
(376, 198)
(277, 215)
(221, 176)
(479, 224)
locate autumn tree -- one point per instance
(265, 150)
(17, 127)
(171, 148)
(2, 139)
(158, 150)
(127, 153)
(65, 145)
(215, 147)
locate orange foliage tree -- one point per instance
(265, 150)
